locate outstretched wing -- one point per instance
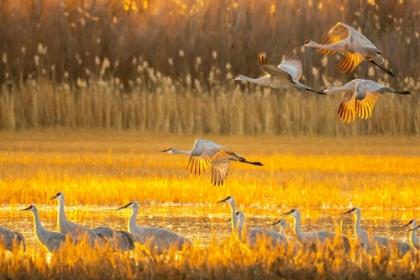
(273, 70)
(293, 66)
(336, 34)
(367, 93)
(349, 61)
(202, 154)
(219, 173)
(347, 111)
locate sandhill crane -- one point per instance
(158, 238)
(282, 223)
(414, 240)
(10, 238)
(310, 237)
(50, 240)
(359, 98)
(205, 153)
(251, 235)
(65, 226)
(352, 45)
(286, 75)
(368, 242)
(118, 239)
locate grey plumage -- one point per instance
(369, 242)
(50, 240)
(79, 232)
(286, 75)
(359, 98)
(206, 154)
(305, 238)
(10, 238)
(115, 238)
(157, 239)
(353, 45)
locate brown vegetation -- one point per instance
(163, 66)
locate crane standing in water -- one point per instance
(159, 239)
(369, 242)
(50, 240)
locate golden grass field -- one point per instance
(102, 170)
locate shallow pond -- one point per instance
(199, 223)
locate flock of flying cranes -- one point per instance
(359, 99)
(359, 96)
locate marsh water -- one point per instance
(200, 223)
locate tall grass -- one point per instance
(164, 66)
(231, 260)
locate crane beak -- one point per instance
(347, 212)
(406, 225)
(223, 200)
(55, 196)
(275, 223)
(164, 151)
(288, 213)
(26, 209)
(125, 206)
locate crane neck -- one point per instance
(132, 220)
(183, 152)
(358, 231)
(61, 219)
(38, 228)
(296, 228)
(240, 227)
(336, 47)
(234, 218)
(414, 240)
(264, 81)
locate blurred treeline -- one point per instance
(165, 66)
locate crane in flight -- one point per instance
(359, 98)
(285, 75)
(206, 153)
(352, 44)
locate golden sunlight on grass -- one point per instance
(322, 177)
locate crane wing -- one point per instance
(347, 111)
(273, 70)
(336, 34)
(292, 66)
(367, 93)
(202, 154)
(219, 173)
(349, 61)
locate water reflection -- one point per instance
(200, 223)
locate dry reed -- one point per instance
(162, 67)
